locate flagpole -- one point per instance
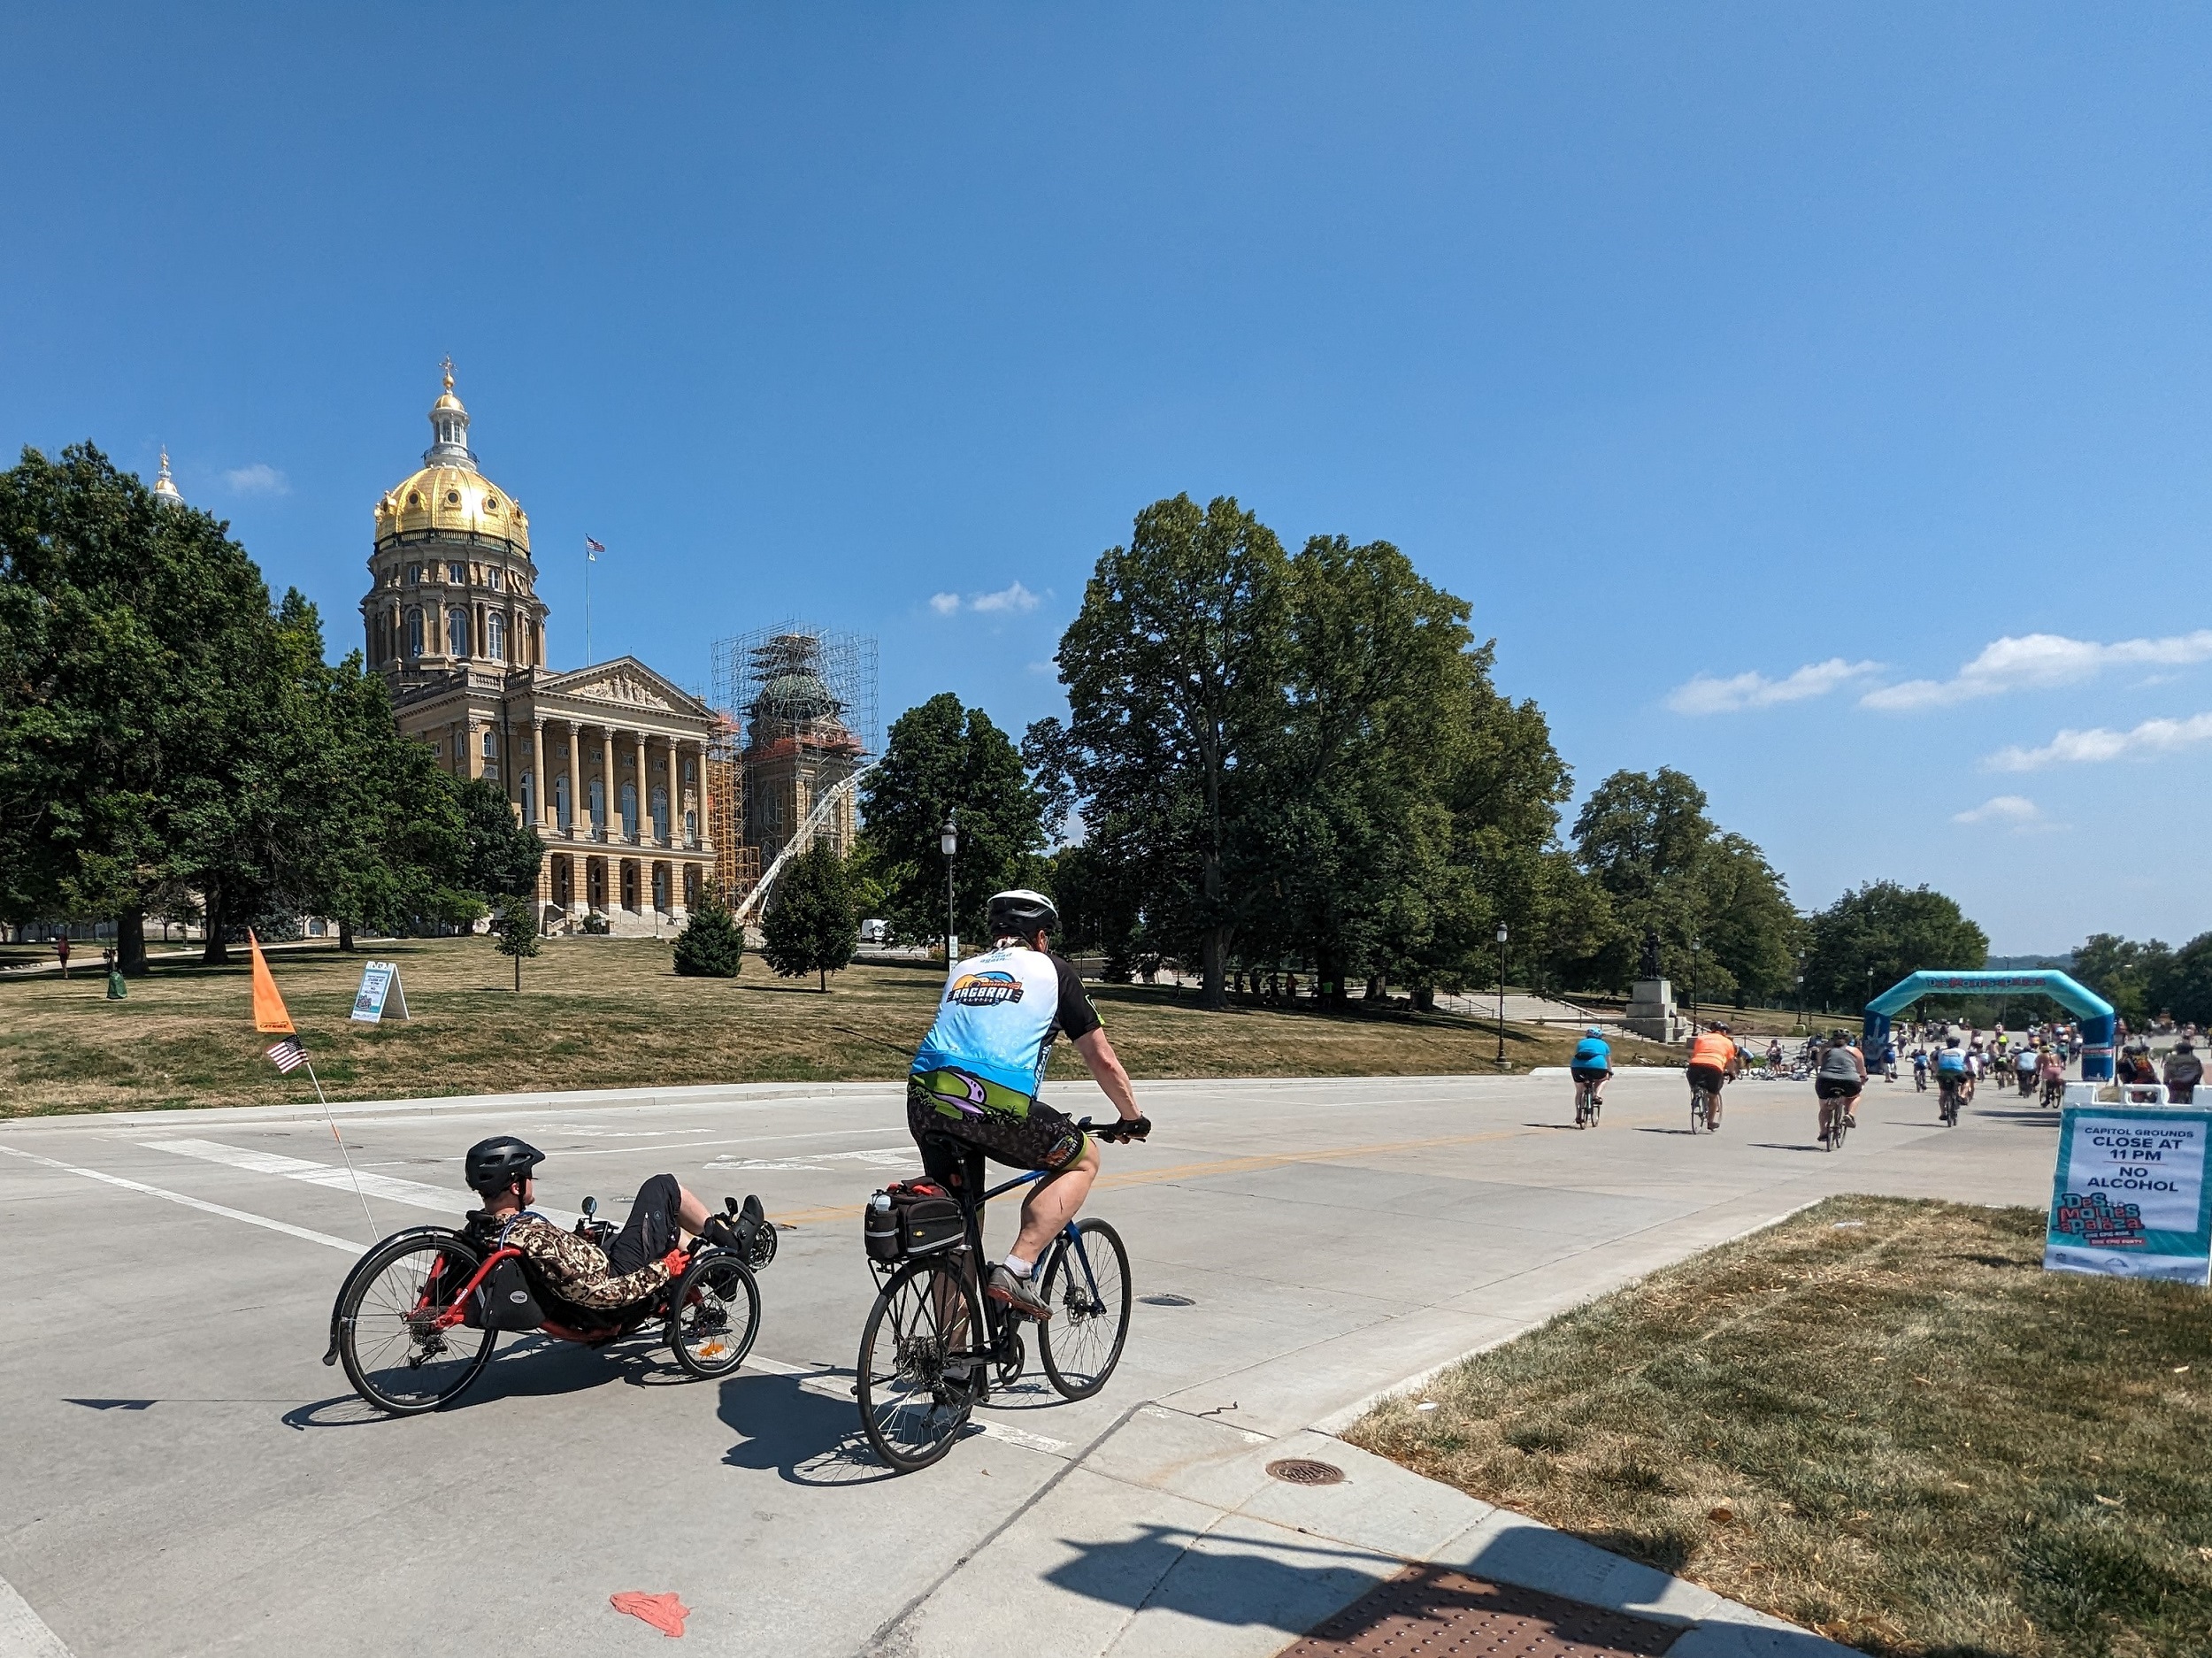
(342, 1152)
(587, 656)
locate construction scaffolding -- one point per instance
(736, 865)
(800, 702)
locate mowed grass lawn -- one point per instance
(1881, 1420)
(601, 1013)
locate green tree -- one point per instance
(1643, 837)
(515, 930)
(500, 853)
(2181, 984)
(1869, 939)
(941, 756)
(2135, 977)
(133, 643)
(711, 944)
(811, 926)
(1172, 668)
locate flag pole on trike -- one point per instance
(270, 1016)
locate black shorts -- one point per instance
(1043, 1140)
(651, 1231)
(1709, 1077)
(1836, 1088)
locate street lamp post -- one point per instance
(1695, 947)
(948, 843)
(1800, 990)
(1501, 936)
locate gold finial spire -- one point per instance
(448, 366)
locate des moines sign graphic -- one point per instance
(2129, 1197)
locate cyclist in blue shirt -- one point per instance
(1592, 1063)
(975, 1078)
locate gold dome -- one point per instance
(454, 499)
(448, 494)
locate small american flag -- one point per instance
(288, 1054)
(592, 549)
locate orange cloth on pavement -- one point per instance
(1713, 1049)
(664, 1612)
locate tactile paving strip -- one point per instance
(1428, 1612)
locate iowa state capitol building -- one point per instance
(609, 763)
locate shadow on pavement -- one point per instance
(1211, 1577)
(807, 1438)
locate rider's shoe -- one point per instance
(1019, 1294)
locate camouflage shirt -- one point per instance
(574, 1269)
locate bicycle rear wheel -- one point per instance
(918, 1381)
(1088, 1285)
(1697, 1109)
(395, 1355)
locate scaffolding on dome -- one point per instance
(799, 703)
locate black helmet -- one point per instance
(495, 1164)
(1021, 913)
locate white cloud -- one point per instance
(2152, 737)
(1014, 598)
(1704, 694)
(260, 478)
(2016, 810)
(944, 604)
(2038, 661)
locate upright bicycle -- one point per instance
(1700, 1109)
(1835, 1121)
(934, 1344)
(1587, 1104)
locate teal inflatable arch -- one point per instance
(2093, 1011)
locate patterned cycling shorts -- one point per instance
(1045, 1139)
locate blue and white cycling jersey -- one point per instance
(998, 1016)
(1951, 1059)
(1591, 1053)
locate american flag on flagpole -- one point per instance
(592, 549)
(289, 1055)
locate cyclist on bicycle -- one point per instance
(1841, 1076)
(644, 1255)
(1952, 1074)
(2185, 1073)
(1714, 1059)
(1593, 1062)
(976, 1076)
(1920, 1068)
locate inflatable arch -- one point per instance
(2094, 1012)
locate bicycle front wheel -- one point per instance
(395, 1354)
(919, 1377)
(714, 1313)
(1087, 1283)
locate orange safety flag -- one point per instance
(268, 1007)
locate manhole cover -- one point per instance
(1301, 1470)
(1167, 1300)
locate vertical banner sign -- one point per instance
(2131, 1198)
(380, 994)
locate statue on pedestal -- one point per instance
(1648, 964)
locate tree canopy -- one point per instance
(1870, 937)
(811, 926)
(941, 757)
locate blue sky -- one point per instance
(1811, 398)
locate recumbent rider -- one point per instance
(643, 1257)
(976, 1076)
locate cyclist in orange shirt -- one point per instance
(1714, 1059)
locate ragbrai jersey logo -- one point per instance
(985, 990)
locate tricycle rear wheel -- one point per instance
(396, 1355)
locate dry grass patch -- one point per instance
(1881, 1420)
(598, 1013)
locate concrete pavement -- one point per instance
(181, 1476)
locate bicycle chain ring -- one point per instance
(1010, 1366)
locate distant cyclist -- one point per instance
(1839, 1081)
(2184, 1073)
(1714, 1059)
(1920, 1068)
(1592, 1063)
(1952, 1075)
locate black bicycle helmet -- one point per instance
(1020, 913)
(495, 1164)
